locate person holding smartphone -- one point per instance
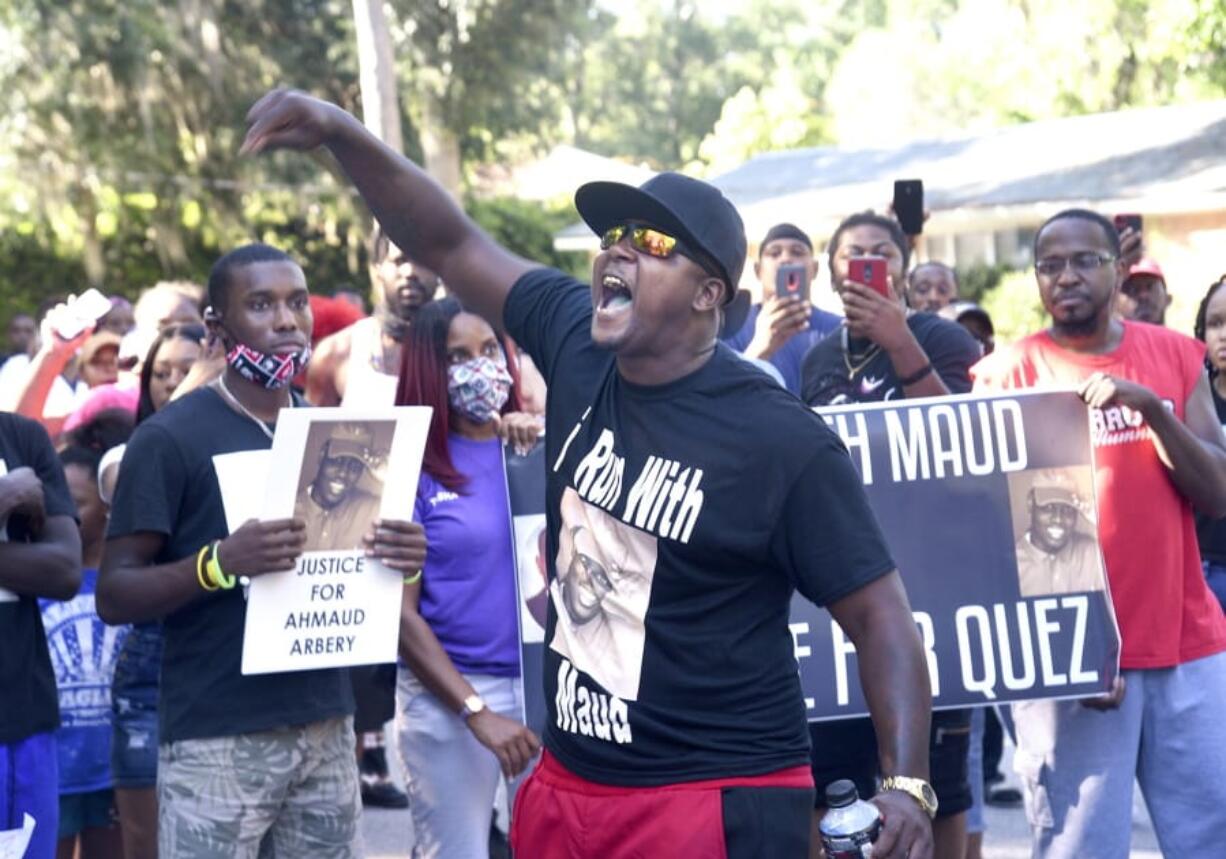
(883, 351)
(785, 325)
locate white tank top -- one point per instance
(366, 385)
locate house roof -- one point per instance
(1164, 159)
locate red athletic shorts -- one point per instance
(561, 816)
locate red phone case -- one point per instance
(870, 271)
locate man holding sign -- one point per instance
(688, 736)
(1158, 451)
(243, 759)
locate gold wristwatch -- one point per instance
(918, 789)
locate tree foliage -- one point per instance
(120, 119)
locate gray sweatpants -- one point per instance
(1077, 765)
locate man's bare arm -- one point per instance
(415, 211)
(321, 386)
(877, 618)
(50, 567)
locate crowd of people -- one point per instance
(675, 721)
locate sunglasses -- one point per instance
(650, 241)
(657, 244)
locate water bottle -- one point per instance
(851, 825)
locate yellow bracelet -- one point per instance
(200, 572)
(413, 579)
(219, 577)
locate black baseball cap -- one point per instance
(690, 209)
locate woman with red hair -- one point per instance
(459, 695)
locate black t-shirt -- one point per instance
(168, 486)
(1211, 533)
(28, 702)
(681, 519)
(828, 380)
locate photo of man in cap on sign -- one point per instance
(1054, 554)
(333, 499)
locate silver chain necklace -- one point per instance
(221, 383)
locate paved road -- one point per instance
(389, 834)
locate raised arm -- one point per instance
(415, 211)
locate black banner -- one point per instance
(988, 507)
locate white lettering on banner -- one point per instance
(1012, 681)
(986, 686)
(843, 649)
(938, 441)
(589, 713)
(1081, 605)
(986, 640)
(994, 639)
(1045, 628)
(801, 651)
(928, 637)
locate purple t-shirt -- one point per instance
(468, 583)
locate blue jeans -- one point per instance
(134, 706)
(451, 778)
(29, 784)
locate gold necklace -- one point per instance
(853, 369)
(234, 401)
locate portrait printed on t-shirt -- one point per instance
(340, 483)
(600, 594)
(1054, 523)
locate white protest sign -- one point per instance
(338, 470)
(13, 842)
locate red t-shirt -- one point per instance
(1166, 612)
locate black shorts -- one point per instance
(848, 749)
(374, 693)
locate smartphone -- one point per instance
(871, 271)
(81, 312)
(791, 281)
(909, 205)
(1129, 220)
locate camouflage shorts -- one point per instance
(286, 793)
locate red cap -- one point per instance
(1147, 266)
(331, 315)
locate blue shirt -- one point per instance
(83, 653)
(790, 358)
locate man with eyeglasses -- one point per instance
(736, 494)
(1158, 452)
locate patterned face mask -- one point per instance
(271, 371)
(478, 389)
